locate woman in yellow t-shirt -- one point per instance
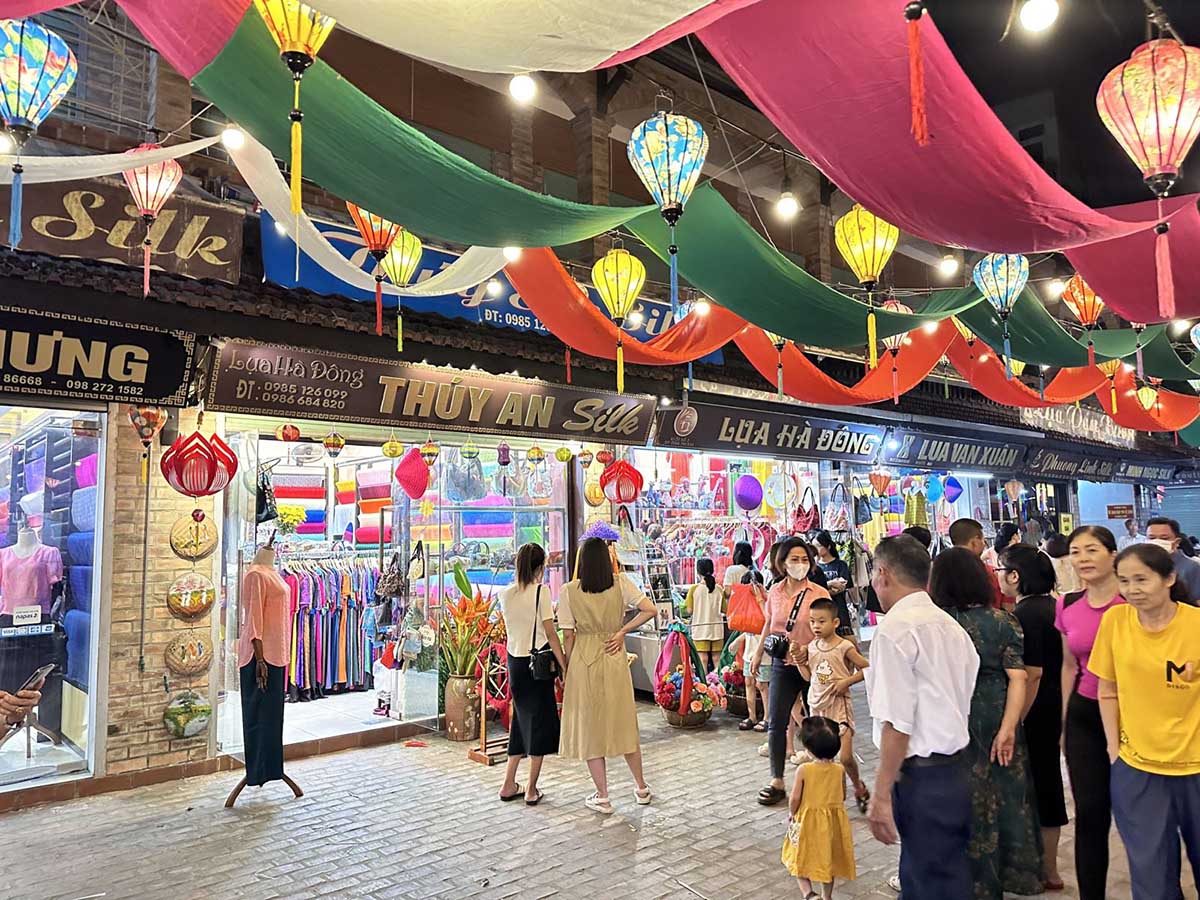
(1147, 657)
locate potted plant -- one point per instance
(466, 632)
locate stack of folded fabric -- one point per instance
(374, 488)
(305, 489)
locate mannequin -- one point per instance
(30, 573)
(27, 543)
(263, 646)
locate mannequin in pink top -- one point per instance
(263, 646)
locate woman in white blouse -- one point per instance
(529, 619)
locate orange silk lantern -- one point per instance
(1086, 306)
(378, 234)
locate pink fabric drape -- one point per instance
(697, 20)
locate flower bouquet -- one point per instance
(733, 680)
(673, 692)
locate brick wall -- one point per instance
(137, 738)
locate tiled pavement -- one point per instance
(391, 822)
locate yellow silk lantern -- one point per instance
(1148, 397)
(299, 31)
(1016, 367)
(618, 277)
(866, 243)
(1110, 367)
(400, 265)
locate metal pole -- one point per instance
(145, 563)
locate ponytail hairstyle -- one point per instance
(1158, 561)
(704, 568)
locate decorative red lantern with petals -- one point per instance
(621, 482)
(151, 186)
(378, 234)
(199, 466)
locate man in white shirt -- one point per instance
(1131, 536)
(919, 685)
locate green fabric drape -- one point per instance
(1035, 336)
(355, 148)
(1161, 360)
(723, 257)
(1191, 434)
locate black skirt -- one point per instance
(534, 729)
(1045, 768)
(262, 724)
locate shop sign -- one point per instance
(96, 219)
(1119, 511)
(1145, 471)
(51, 354)
(313, 384)
(1069, 466)
(1080, 423)
(938, 451)
(700, 426)
(1189, 475)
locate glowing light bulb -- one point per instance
(1038, 15)
(494, 287)
(280, 228)
(522, 88)
(1056, 286)
(634, 319)
(948, 265)
(6, 142)
(664, 401)
(233, 138)
(1180, 326)
(787, 206)
(930, 327)
(512, 254)
(702, 308)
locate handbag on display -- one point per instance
(744, 612)
(265, 508)
(543, 665)
(837, 512)
(807, 518)
(464, 479)
(391, 582)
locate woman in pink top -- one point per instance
(263, 651)
(787, 617)
(1093, 550)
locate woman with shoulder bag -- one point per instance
(535, 661)
(786, 635)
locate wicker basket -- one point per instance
(691, 720)
(736, 705)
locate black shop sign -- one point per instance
(1152, 472)
(923, 450)
(721, 429)
(311, 384)
(50, 354)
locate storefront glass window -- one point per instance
(51, 493)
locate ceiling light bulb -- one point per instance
(634, 319)
(665, 401)
(930, 327)
(1180, 326)
(494, 287)
(6, 142)
(1038, 15)
(1056, 286)
(1128, 367)
(522, 87)
(233, 138)
(948, 265)
(512, 254)
(983, 357)
(702, 308)
(787, 206)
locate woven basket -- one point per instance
(691, 720)
(736, 706)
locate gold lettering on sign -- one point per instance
(128, 363)
(418, 399)
(76, 204)
(391, 387)
(511, 411)
(541, 408)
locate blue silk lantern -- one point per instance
(1001, 277)
(933, 489)
(37, 68)
(667, 152)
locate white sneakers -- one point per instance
(602, 805)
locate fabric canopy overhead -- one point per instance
(356, 149)
(44, 169)
(1172, 411)
(984, 371)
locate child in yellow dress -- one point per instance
(818, 847)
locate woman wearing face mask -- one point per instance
(1145, 656)
(1077, 617)
(788, 604)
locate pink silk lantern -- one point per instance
(621, 482)
(151, 186)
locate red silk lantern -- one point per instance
(151, 186)
(198, 466)
(287, 433)
(605, 457)
(621, 482)
(378, 234)
(1087, 306)
(880, 480)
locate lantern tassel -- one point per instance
(673, 252)
(567, 360)
(379, 304)
(1162, 266)
(895, 385)
(689, 378)
(14, 208)
(779, 378)
(620, 367)
(946, 387)
(1112, 384)
(399, 329)
(146, 267)
(297, 144)
(145, 465)
(1141, 371)
(1041, 384)
(913, 12)
(872, 338)
(1091, 353)
(1007, 354)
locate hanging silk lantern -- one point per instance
(333, 443)
(621, 482)
(1014, 489)
(299, 31)
(37, 68)
(430, 452)
(1147, 396)
(667, 152)
(1001, 277)
(392, 448)
(287, 433)
(866, 243)
(1151, 105)
(967, 334)
(779, 342)
(198, 466)
(147, 421)
(880, 479)
(535, 455)
(469, 450)
(1110, 368)
(151, 186)
(585, 457)
(1086, 306)
(618, 277)
(894, 343)
(563, 454)
(1017, 367)
(605, 458)
(378, 235)
(504, 460)
(400, 265)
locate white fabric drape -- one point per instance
(44, 169)
(510, 35)
(257, 167)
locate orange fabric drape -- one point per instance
(1172, 411)
(983, 369)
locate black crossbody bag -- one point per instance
(776, 645)
(543, 666)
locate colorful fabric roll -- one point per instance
(295, 492)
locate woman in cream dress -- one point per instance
(598, 716)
